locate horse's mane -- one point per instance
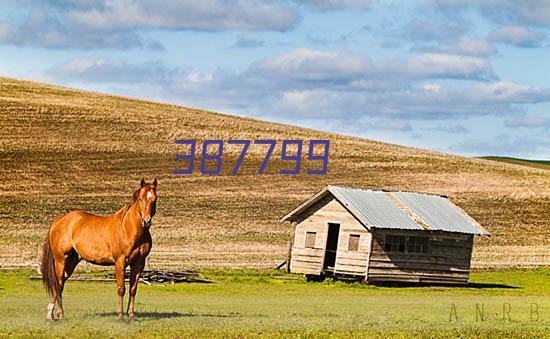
(124, 209)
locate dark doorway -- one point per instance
(332, 245)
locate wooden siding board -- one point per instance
(447, 261)
(316, 219)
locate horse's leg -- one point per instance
(120, 267)
(59, 272)
(71, 261)
(135, 271)
(51, 306)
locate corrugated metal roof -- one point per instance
(397, 210)
(374, 208)
(438, 212)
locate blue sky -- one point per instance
(459, 76)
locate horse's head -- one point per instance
(146, 199)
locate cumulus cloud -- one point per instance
(43, 29)
(121, 23)
(306, 64)
(417, 102)
(508, 92)
(186, 14)
(441, 65)
(322, 103)
(340, 65)
(338, 85)
(472, 46)
(518, 36)
(519, 23)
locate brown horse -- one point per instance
(120, 239)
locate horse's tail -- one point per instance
(49, 278)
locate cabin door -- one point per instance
(332, 246)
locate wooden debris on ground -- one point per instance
(148, 277)
(172, 277)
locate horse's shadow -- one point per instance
(168, 315)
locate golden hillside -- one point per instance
(63, 149)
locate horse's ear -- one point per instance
(142, 183)
(155, 182)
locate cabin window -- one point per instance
(417, 245)
(353, 244)
(310, 239)
(394, 243)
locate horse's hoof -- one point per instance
(120, 317)
(50, 314)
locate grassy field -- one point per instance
(249, 303)
(543, 164)
(63, 149)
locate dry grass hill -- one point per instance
(64, 149)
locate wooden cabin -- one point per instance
(380, 236)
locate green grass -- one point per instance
(245, 303)
(543, 164)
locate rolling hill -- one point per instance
(63, 149)
(544, 164)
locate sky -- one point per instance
(458, 76)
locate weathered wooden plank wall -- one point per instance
(316, 219)
(447, 261)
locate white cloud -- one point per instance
(44, 29)
(120, 24)
(472, 46)
(317, 103)
(309, 64)
(517, 36)
(441, 65)
(331, 85)
(508, 92)
(186, 14)
(306, 64)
